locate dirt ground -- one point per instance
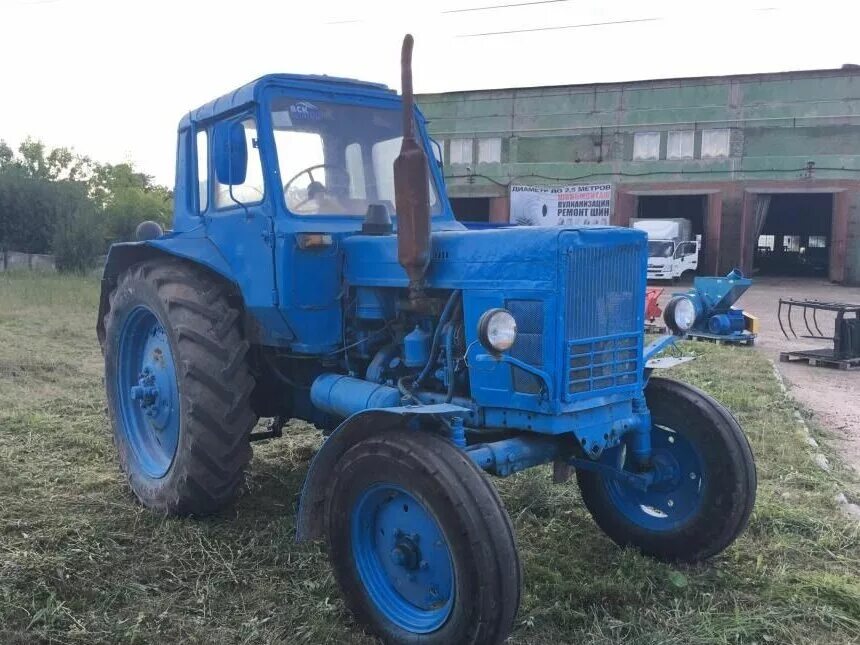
(832, 395)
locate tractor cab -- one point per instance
(317, 149)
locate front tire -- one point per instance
(704, 509)
(420, 543)
(178, 387)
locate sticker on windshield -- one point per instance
(305, 111)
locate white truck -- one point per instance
(673, 252)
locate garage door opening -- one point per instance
(795, 236)
(690, 207)
(471, 209)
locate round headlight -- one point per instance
(680, 314)
(497, 330)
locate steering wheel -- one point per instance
(309, 171)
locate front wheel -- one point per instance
(703, 508)
(420, 543)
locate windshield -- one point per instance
(660, 249)
(337, 159)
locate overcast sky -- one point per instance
(111, 78)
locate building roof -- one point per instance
(250, 92)
(845, 70)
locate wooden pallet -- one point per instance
(745, 339)
(655, 328)
(821, 358)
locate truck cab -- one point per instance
(673, 251)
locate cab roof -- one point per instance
(250, 92)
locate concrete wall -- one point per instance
(14, 261)
(796, 131)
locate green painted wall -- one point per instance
(778, 123)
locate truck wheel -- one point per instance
(420, 542)
(178, 388)
(688, 276)
(708, 502)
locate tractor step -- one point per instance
(732, 339)
(820, 358)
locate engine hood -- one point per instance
(518, 258)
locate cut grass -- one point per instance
(81, 562)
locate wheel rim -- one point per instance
(147, 392)
(676, 497)
(402, 558)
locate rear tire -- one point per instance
(420, 542)
(708, 506)
(178, 387)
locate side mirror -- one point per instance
(230, 153)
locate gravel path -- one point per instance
(832, 395)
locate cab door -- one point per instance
(238, 216)
(686, 258)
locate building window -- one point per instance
(490, 150)
(817, 242)
(715, 143)
(766, 242)
(460, 151)
(646, 145)
(679, 144)
(791, 243)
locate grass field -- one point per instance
(81, 562)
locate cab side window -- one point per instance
(686, 248)
(202, 143)
(251, 191)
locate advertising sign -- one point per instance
(581, 205)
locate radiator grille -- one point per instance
(529, 344)
(604, 318)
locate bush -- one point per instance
(78, 236)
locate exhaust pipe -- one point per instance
(411, 188)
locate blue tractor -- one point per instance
(315, 271)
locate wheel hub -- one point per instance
(148, 392)
(676, 491)
(406, 553)
(403, 558)
(153, 391)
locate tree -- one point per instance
(6, 156)
(54, 200)
(78, 237)
(128, 207)
(27, 210)
(108, 179)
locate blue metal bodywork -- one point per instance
(313, 288)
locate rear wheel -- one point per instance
(178, 387)
(705, 505)
(420, 543)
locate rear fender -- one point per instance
(198, 251)
(310, 523)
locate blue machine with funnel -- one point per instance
(707, 311)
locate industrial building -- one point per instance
(767, 166)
